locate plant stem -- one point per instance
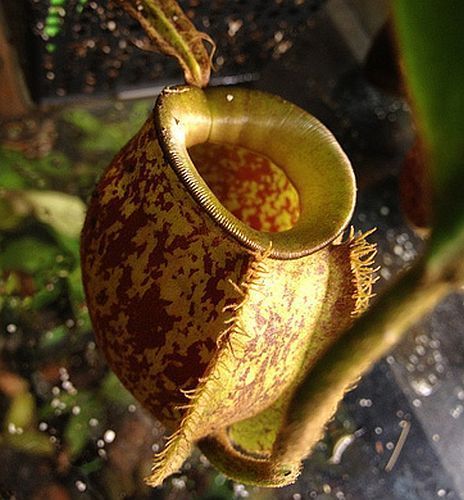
(172, 33)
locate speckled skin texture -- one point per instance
(202, 331)
(249, 185)
(157, 274)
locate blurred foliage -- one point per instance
(54, 20)
(59, 403)
(432, 46)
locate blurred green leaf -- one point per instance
(82, 406)
(97, 138)
(77, 432)
(8, 287)
(67, 400)
(13, 210)
(68, 244)
(9, 218)
(21, 412)
(9, 179)
(83, 120)
(46, 295)
(218, 488)
(76, 288)
(33, 442)
(432, 48)
(91, 467)
(112, 390)
(83, 320)
(63, 212)
(107, 136)
(20, 172)
(53, 337)
(77, 299)
(28, 254)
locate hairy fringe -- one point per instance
(362, 258)
(233, 337)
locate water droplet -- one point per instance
(390, 360)
(109, 436)
(422, 387)
(81, 486)
(365, 403)
(457, 412)
(384, 211)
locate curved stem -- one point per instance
(245, 468)
(173, 34)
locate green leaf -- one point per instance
(28, 254)
(9, 178)
(76, 288)
(33, 442)
(46, 295)
(77, 299)
(112, 390)
(9, 218)
(53, 337)
(19, 172)
(106, 138)
(173, 34)
(69, 244)
(63, 212)
(91, 467)
(78, 432)
(84, 120)
(432, 48)
(21, 412)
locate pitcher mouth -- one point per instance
(293, 139)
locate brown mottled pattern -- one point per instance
(156, 273)
(250, 185)
(337, 303)
(278, 319)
